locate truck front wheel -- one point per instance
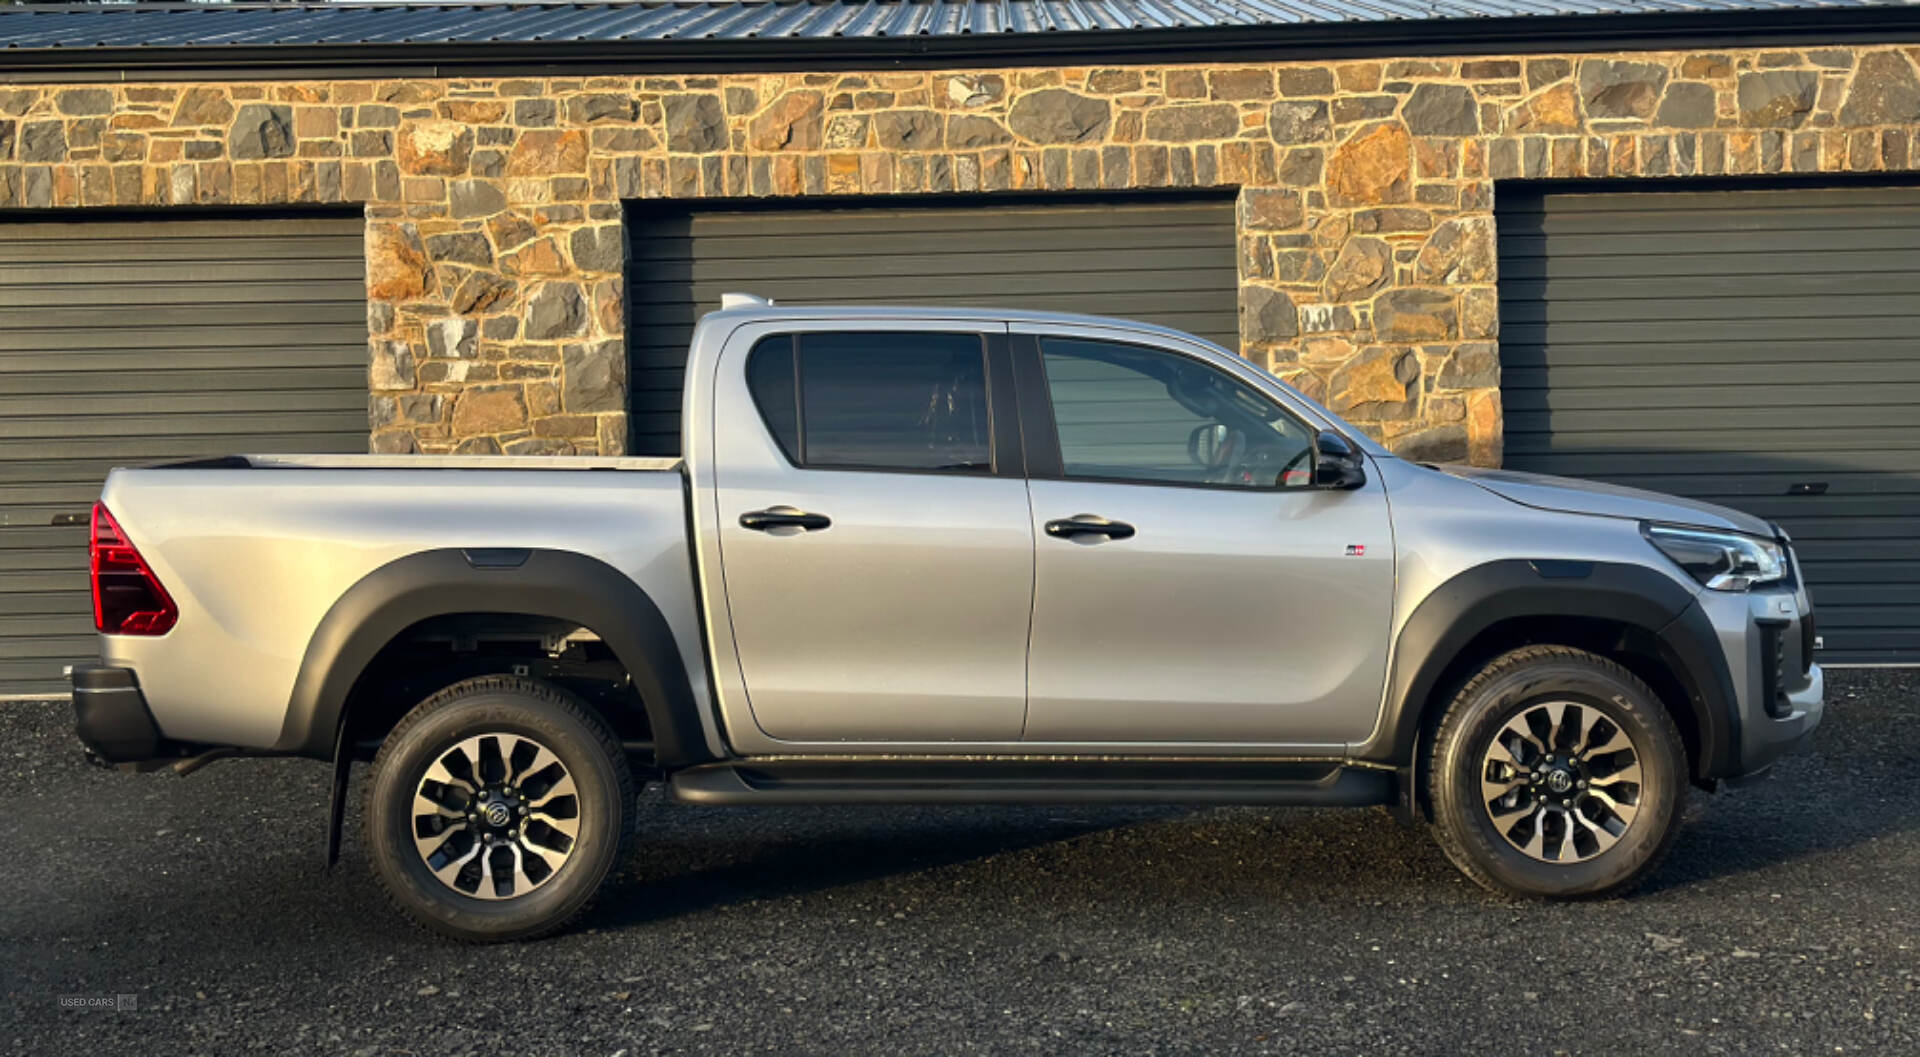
(1556, 773)
(497, 808)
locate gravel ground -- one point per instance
(1784, 922)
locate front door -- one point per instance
(1190, 584)
(875, 539)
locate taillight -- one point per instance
(127, 597)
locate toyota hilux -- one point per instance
(945, 556)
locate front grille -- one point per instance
(1773, 667)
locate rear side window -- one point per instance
(876, 400)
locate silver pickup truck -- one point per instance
(946, 556)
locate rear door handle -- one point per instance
(1089, 525)
(783, 517)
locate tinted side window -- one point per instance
(869, 400)
(1130, 413)
(770, 378)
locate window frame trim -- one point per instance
(1004, 446)
(1045, 459)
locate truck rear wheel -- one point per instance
(1558, 774)
(497, 808)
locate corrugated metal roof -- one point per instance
(163, 26)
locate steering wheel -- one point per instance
(1281, 477)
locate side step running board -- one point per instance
(1014, 781)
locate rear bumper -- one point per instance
(111, 715)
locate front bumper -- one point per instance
(1767, 738)
(111, 715)
(1766, 638)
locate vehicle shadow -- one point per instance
(692, 860)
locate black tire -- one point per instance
(1521, 687)
(520, 712)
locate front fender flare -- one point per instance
(562, 585)
(1448, 620)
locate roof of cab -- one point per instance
(770, 311)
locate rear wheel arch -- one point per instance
(447, 649)
(564, 587)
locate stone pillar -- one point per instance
(496, 304)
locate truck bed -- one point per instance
(254, 549)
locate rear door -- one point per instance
(874, 534)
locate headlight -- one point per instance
(1723, 561)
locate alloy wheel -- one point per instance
(495, 816)
(1561, 781)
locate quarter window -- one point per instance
(1131, 413)
(876, 400)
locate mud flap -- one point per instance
(337, 805)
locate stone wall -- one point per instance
(1366, 245)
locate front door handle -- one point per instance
(783, 517)
(1089, 525)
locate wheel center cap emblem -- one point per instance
(499, 814)
(1557, 780)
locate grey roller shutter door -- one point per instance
(1735, 346)
(1167, 261)
(133, 340)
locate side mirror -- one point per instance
(1337, 464)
